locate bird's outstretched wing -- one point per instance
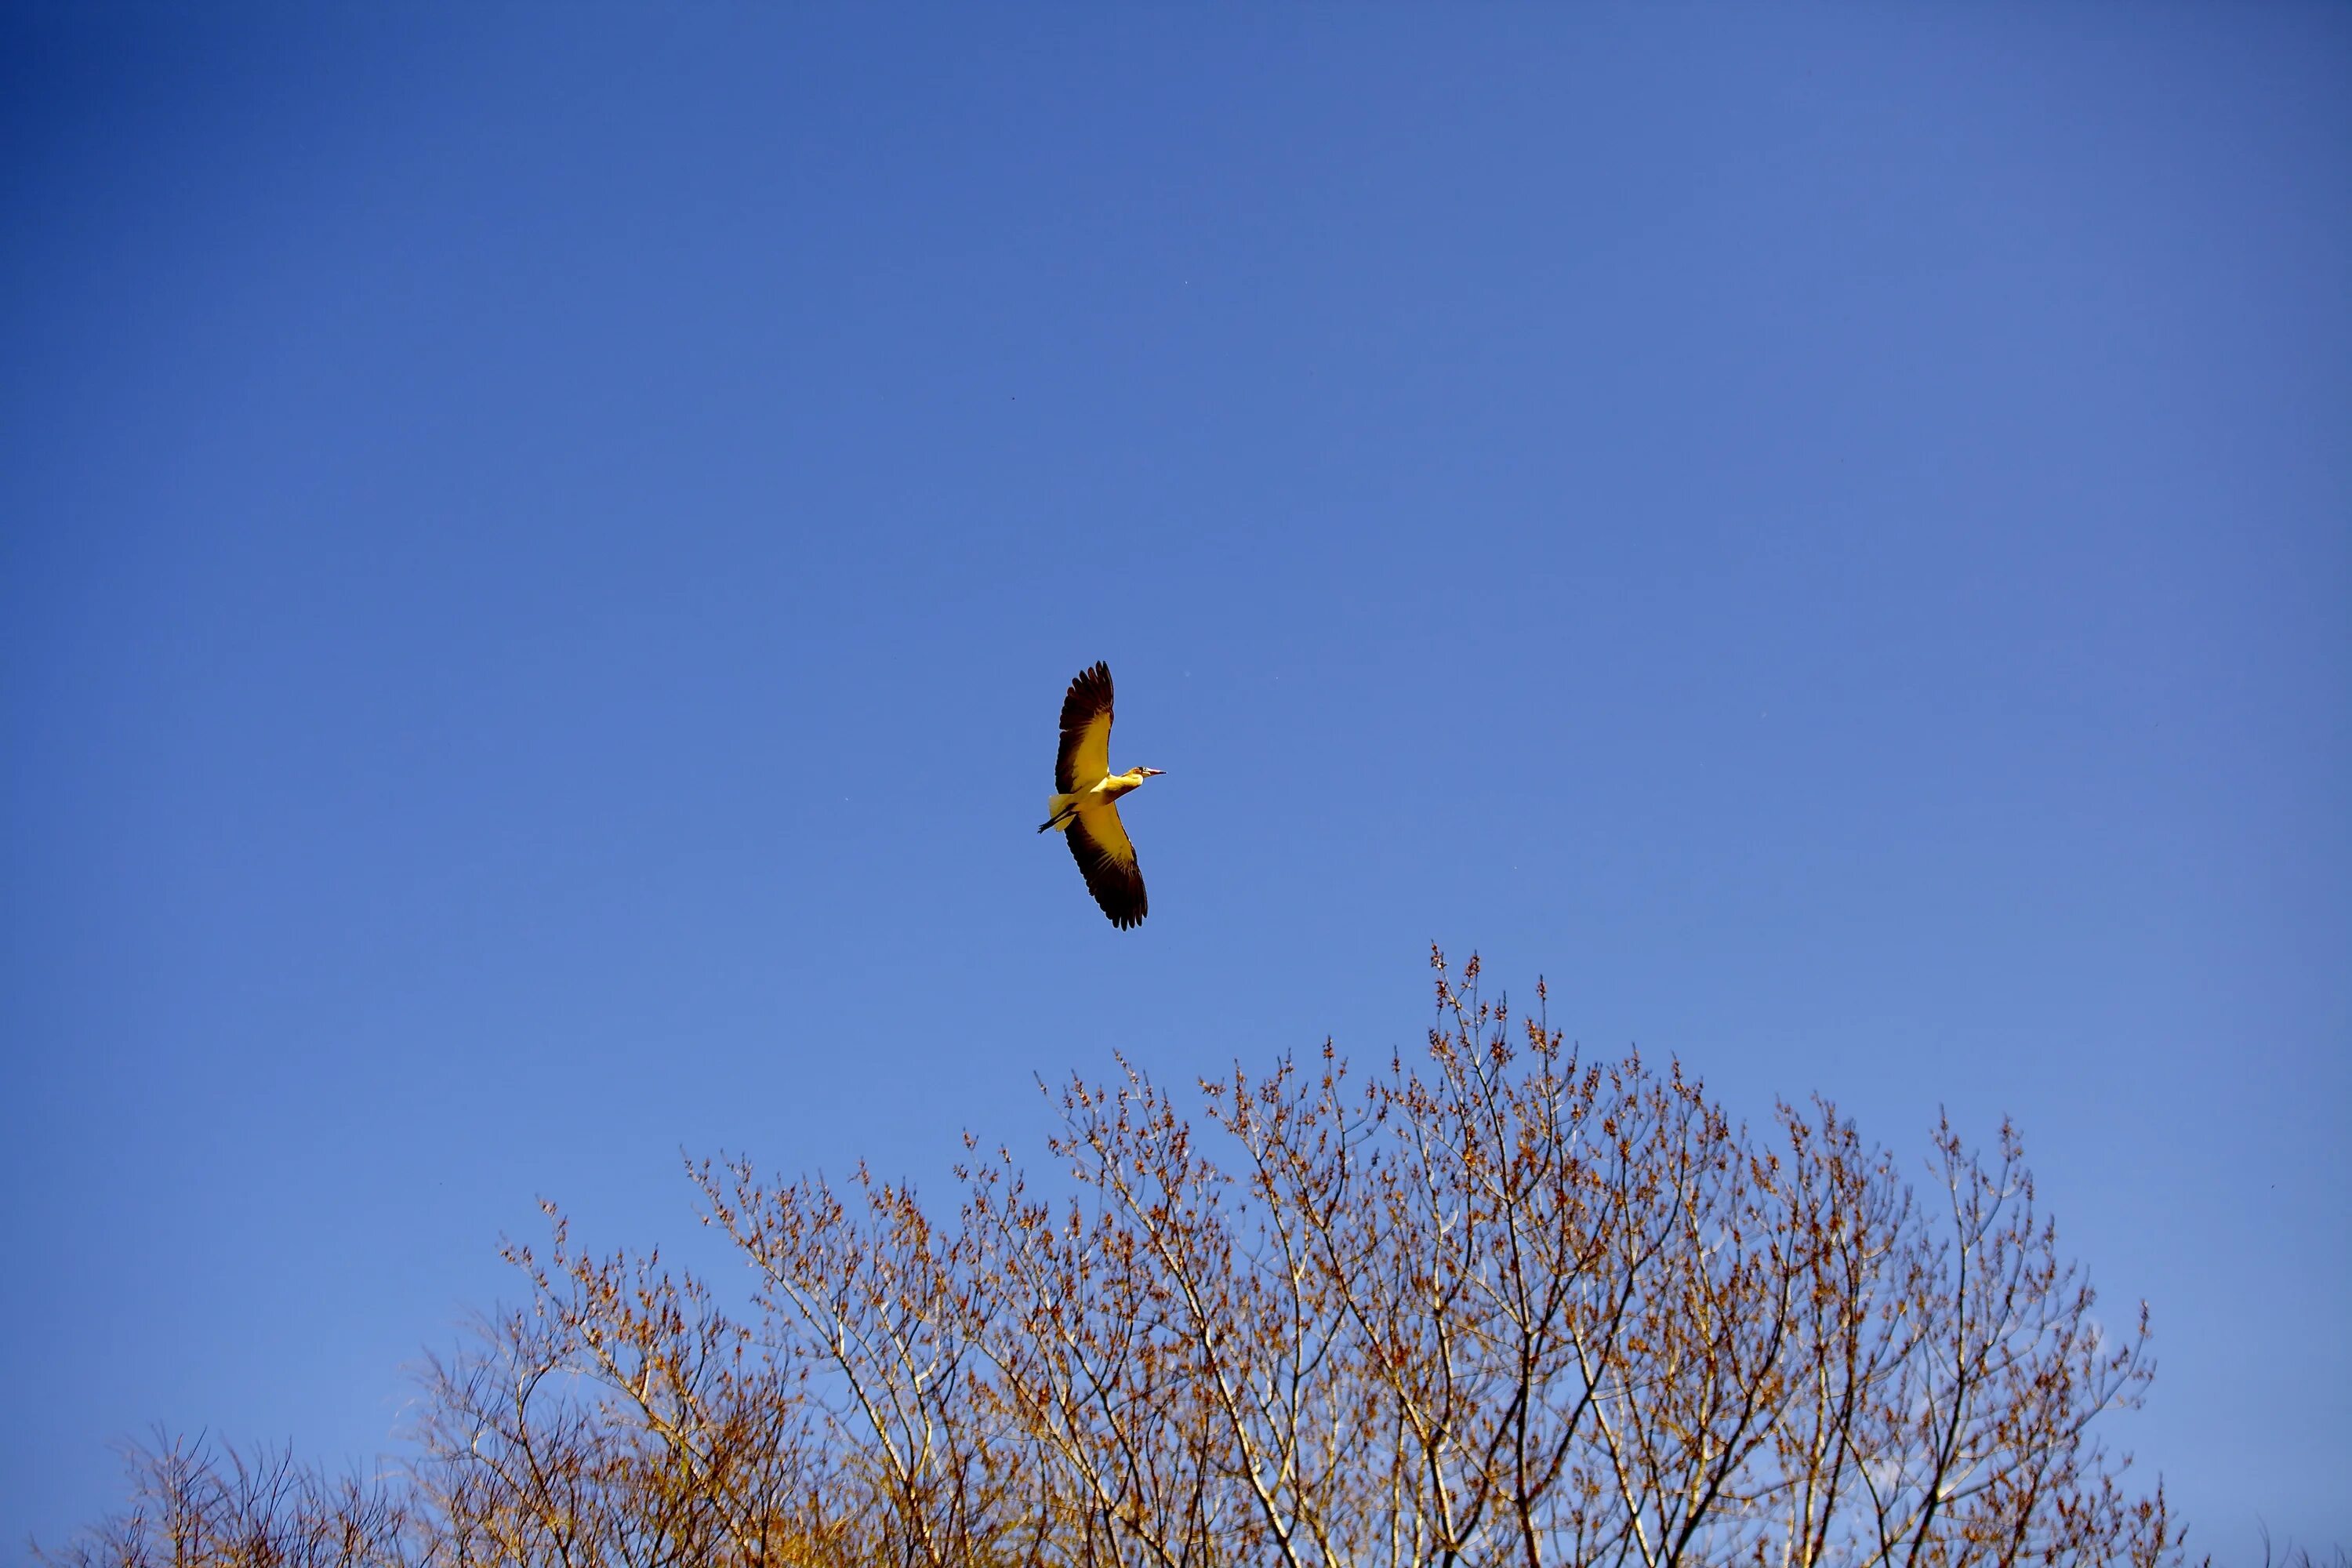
(1084, 755)
(1099, 840)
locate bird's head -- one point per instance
(1149, 772)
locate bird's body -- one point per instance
(1102, 791)
(1085, 804)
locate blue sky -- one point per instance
(541, 549)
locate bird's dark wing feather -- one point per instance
(1085, 753)
(1099, 840)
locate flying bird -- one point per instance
(1085, 800)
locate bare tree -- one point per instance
(1505, 1305)
(194, 1501)
(2293, 1556)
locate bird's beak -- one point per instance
(1154, 773)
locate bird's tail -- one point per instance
(1059, 811)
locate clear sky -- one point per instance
(540, 548)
